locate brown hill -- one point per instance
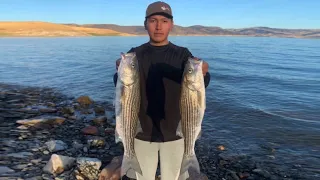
(50, 29)
(215, 31)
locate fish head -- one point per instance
(128, 71)
(193, 76)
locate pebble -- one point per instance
(56, 145)
(5, 170)
(20, 155)
(46, 152)
(20, 166)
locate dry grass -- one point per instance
(44, 29)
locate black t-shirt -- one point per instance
(161, 69)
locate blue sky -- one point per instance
(223, 13)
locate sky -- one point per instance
(291, 14)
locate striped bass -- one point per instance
(192, 108)
(127, 105)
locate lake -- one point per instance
(264, 92)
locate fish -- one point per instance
(127, 104)
(192, 108)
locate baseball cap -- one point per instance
(159, 8)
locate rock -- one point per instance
(96, 141)
(22, 127)
(67, 110)
(110, 170)
(72, 117)
(47, 177)
(79, 176)
(88, 167)
(46, 152)
(221, 148)
(109, 130)
(90, 130)
(193, 175)
(36, 161)
(51, 104)
(20, 155)
(20, 166)
(9, 143)
(58, 163)
(5, 170)
(64, 176)
(232, 175)
(28, 110)
(77, 145)
(53, 120)
(100, 120)
(84, 101)
(56, 145)
(261, 172)
(35, 178)
(117, 174)
(99, 110)
(243, 175)
(45, 109)
(85, 149)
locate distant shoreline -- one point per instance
(46, 29)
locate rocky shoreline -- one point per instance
(48, 135)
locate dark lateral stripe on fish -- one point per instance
(129, 117)
(190, 115)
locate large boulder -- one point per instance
(85, 101)
(58, 164)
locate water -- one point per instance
(264, 92)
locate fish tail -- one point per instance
(117, 137)
(179, 130)
(189, 162)
(130, 163)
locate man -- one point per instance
(161, 66)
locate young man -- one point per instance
(161, 66)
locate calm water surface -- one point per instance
(264, 92)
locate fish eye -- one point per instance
(132, 65)
(190, 70)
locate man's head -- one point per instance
(158, 22)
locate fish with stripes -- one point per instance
(127, 104)
(192, 108)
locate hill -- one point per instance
(198, 30)
(45, 29)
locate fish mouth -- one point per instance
(127, 81)
(193, 85)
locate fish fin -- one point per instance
(130, 163)
(199, 135)
(139, 128)
(189, 162)
(179, 130)
(117, 137)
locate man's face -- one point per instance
(159, 27)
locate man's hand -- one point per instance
(205, 66)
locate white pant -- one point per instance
(171, 154)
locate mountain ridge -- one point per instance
(201, 30)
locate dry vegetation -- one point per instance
(44, 29)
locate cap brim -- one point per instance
(162, 14)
